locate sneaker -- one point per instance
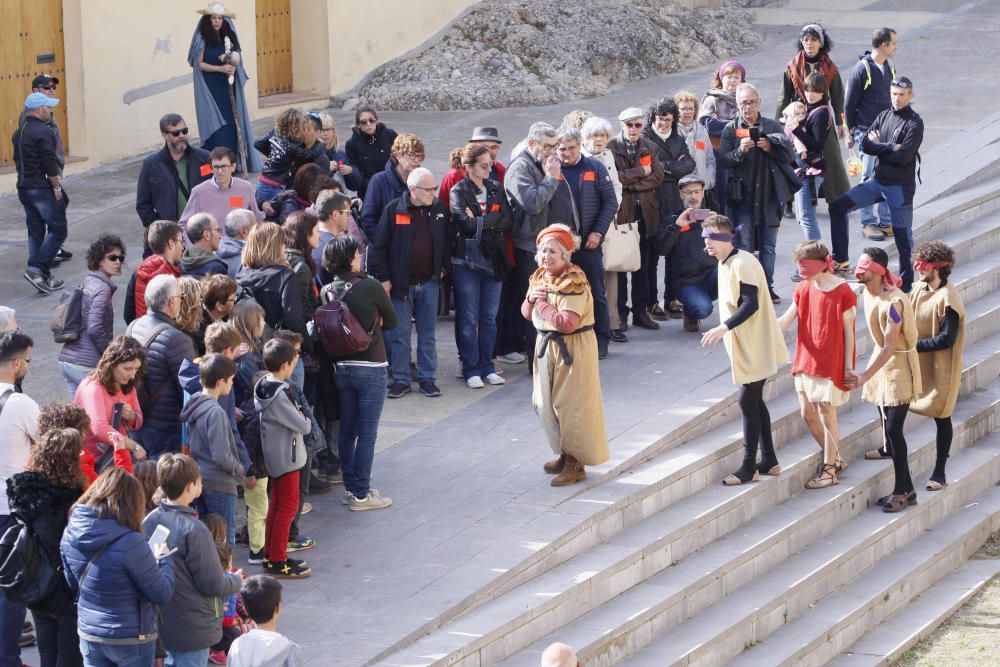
(459, 375)
(429, 389)
(306, 508)
(373, 501)
(216, 656)
(45, 285)
(336, 478)
(476, 382)
(886, 229)
(497, 368)
(346, 498)
(873, 233)
(256, 557)
(512, 358)
(284, 570)
(398, 390)
(602, 349)
(295, 561)
(493, 378)
(618, 337)
(774, 297)
(63, 254)
(796, 278)
(843, 269)
(657, 313)
(301, 543)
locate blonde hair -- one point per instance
(290, 123)
(265, 246)
(793, 109)
(189, 317)
(248, 320)
(326, 119)
(407, 144)
(576, 118)
(687, 96)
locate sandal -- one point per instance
(934, 485)
(884, 500)
(828, 477)
(841, 465)
(773, 469)
(733, 480)
(896, 503)
(876, 455)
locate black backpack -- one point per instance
(28, 574)
(67, 316)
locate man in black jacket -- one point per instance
(894, 140)
(408, 255)
(168, 175)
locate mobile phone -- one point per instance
(699, 214)
(116, 416)
(159, 537)
(755, 134)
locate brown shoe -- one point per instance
(692, 326)
(657, 313)
(897, 503)
(555, 466)
(645, 321)
(571, 473)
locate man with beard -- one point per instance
(168, 175)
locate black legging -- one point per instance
(756, 429)
(895, 443)
(944, 435)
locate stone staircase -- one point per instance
(677, 569)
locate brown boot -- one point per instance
(555, 466)
(571, 473)
(691, 326)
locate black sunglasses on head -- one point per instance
(901, 83)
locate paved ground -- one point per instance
(464, 469)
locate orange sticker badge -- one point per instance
(590, 176)
(646, 161)
(742, 133)
(402, 219)
(699, 145)
(495, 208)
(236, 202)
(206, 170)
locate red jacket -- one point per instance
(152, 266)
(455, 176)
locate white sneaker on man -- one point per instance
(512, 358)
(493, 378)
(475, 382)
(373, 501)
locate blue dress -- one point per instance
(218, 86)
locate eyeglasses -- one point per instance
(369, 121)
(177, 133)
(115, 258)
(221, 167)
(326, 129)
(217, 230)
(748, 103)
(431, 189)
(901, 83)
(635, 125)
(549, 147)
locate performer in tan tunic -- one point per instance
(940, 316)
(567, 384)
(892, 379)
(749, 330)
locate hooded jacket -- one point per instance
(868, 92)
(156, 192)
(152, 266)
(278, 292)
(231, 252)
(161, 393)
(192, 617)
(382, 189)
(282, 426)
(212, 445)
(904, 127)
(263, 648)
(390, 256)
(367, 153)
(198, 262)
(190, 382)
(98, 320)
(118, 596)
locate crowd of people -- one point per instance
(268, 321)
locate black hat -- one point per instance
(485, 134)
(43, 79)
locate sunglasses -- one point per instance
(634, 125)
(177, 133)
(115, 258)
(900, 83)
(370, 121)
(314, 116)
(47, 87)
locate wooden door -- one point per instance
(274, 47)
(31, 43)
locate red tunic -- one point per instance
(819, 350)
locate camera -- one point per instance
(699, 214)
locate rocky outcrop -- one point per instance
(535, 52)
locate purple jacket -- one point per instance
(98, 321)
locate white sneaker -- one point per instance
(306, 508)
(373, 501)
(512, 358)
(493, 378)
(347, 498)
(475, 382)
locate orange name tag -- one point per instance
(742, 133)
(590, 175)
(495, 208)
(236, 202)
(686, 228)
(646, 161)
(402, 219)
(206, 170)
(699, 145)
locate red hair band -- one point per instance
(925, 267)
(867, 264)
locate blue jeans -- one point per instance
(592, 263)
(73, 376)
(765, 245)
(157, 442)
(867, 170)
(697, 299)
(197, 658)
(223, 504)
(11, 617)
(420, 304)
(361, 391)
(47, 227)
(119, 655)
(477, 300)
(805, 208)
(900, 200)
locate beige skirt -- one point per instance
(820, 390)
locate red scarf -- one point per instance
(798, 70)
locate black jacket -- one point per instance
(279, 293)
(689, 263)
(164, 354)
(284, 156)
(677, 162)
(35, 154)
(904, 127)
(304, 276)
(497, 219)
(390, 257)
(368, 154)
(156, 192)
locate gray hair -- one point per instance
(159, 290)
(595, 125)
(744, 87)
(567, 254)
(540, 130)
(413, 180)
(568, 133)
(237, 220)
(7, 318)
(198, 225)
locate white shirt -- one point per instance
(18, 429)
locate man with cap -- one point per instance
(641, 173)
(39, 189)
(169, 174)
(693, 272)
(894, 140)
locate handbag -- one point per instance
(474, 258)
(621, 247)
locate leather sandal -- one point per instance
(934, 485)
(876, 455)
(555, 466)
(841, 465)
(773, 471)
(828, 477)
(884, 500)
(896, 503)
(733, 480)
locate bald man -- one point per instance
(559, 655)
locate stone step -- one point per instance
(837, 562)
(746, 549)
(887, 642)
(889, 586)
(642, 550)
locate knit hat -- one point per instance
(732, 64)
(561, 233)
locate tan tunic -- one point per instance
(756, 347)
(940, 371)
(898, 381)
(567, 398)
